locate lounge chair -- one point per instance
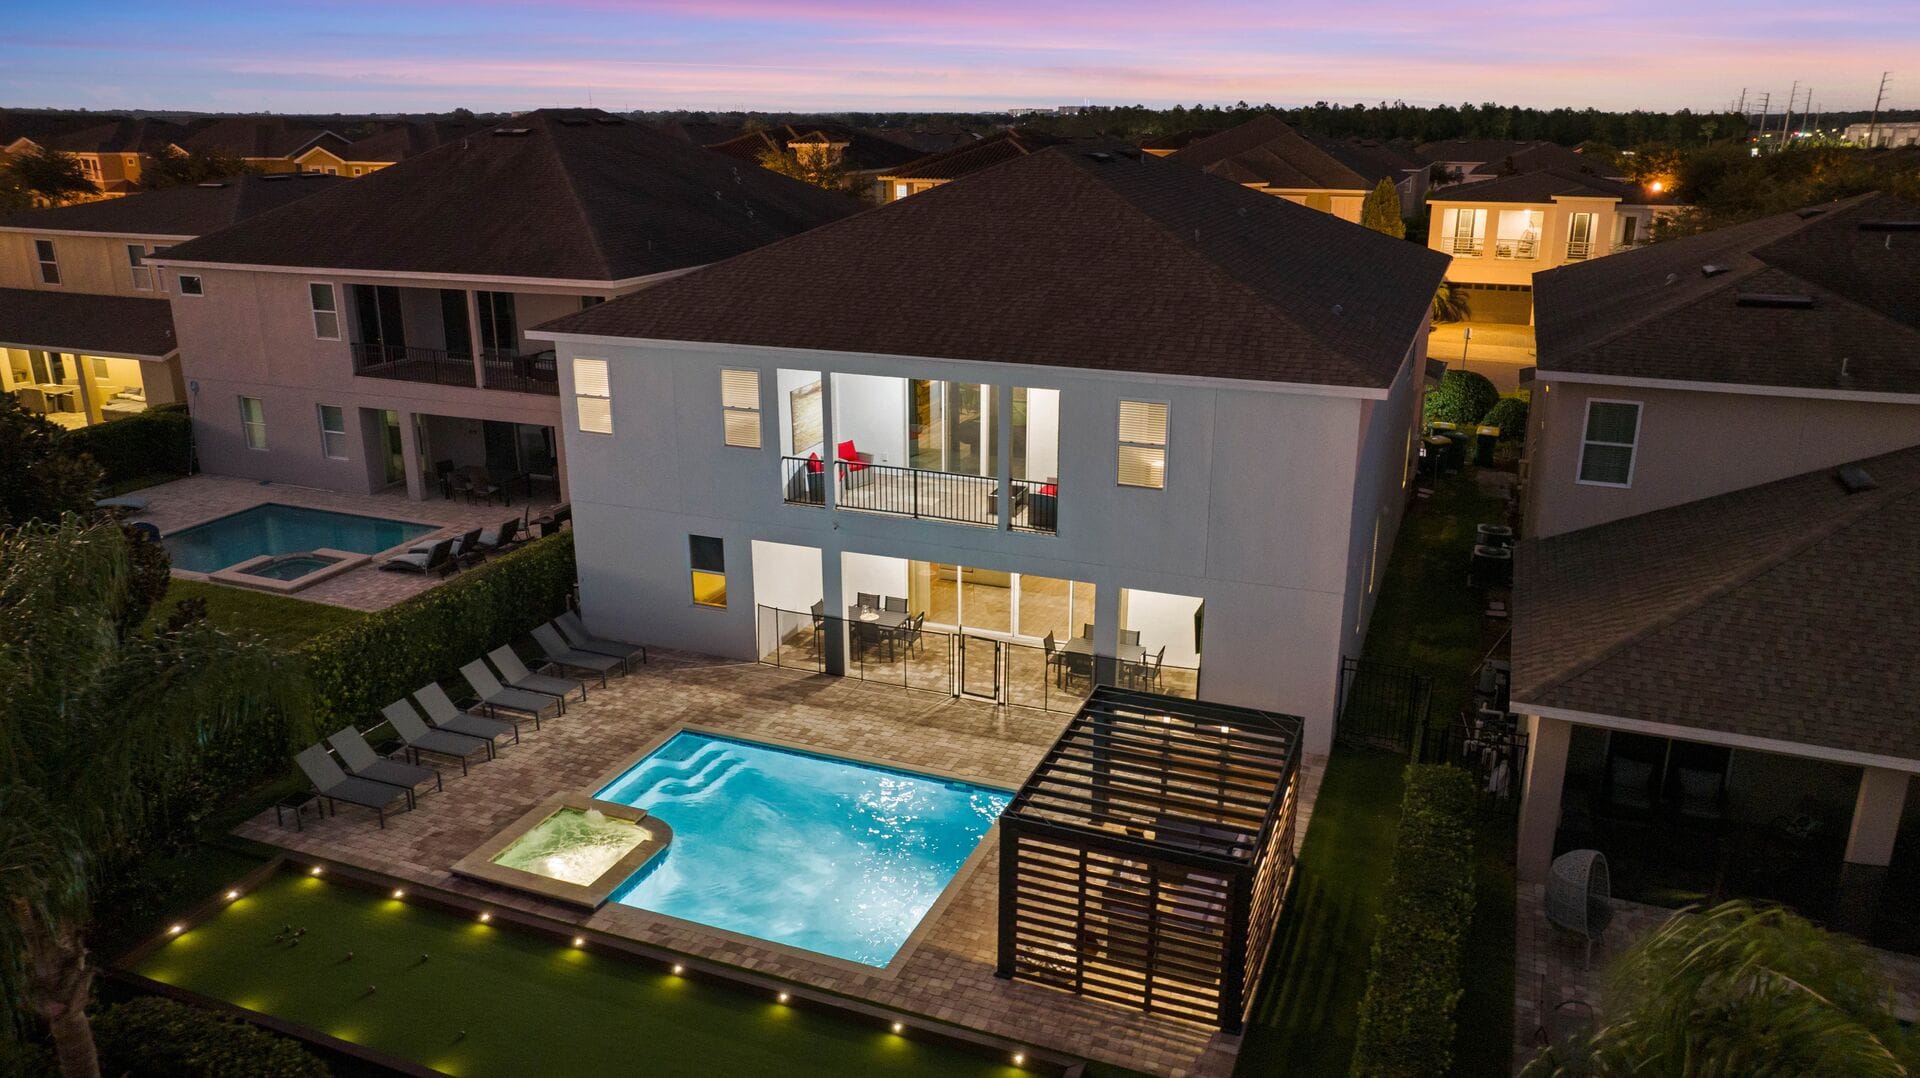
(517, 676)
(499, 538)
(498, 697)
(444, 715)
(567, 657)
(437, 558)
(465, 545)
(364, 763)
(575, 631)
(334, 785)
(414, 733)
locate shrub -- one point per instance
(1462, 397)
(357, 669)
(157, 441)
(159, 1038)
(1510, 415)
(1406, 1018)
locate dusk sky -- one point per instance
(394, 55)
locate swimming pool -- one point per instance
(283, 529)
(829, 855)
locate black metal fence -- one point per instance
(1493, 748)
(403, 363)
(536, 372)
(917, 492)
(1382, 705)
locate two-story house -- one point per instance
(271, 144)
(1502, 231)
(1085, 416)
(1269, 156)
(375, 334)
(945, 166)
(1717, 607)
(863, 157)
(84, 318)
(395, 143)
(113, 154)
(1474, 160)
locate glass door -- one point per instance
(393, 456)
(1580, 237)
(980, 662)
(925, 414)
(966, 450)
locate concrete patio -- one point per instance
(947, 974)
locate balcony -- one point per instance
(1516, 249)
(513, 372)
(1579, 250)
(535, 372)
(1465, 246)
(922, 494)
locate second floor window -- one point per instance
(740, 408)
(253, 422)
(326, 314)
(137, 265)
(1463, 232)
(499, 329)
(377, 310)
(1143, 444)
(1606, 453)
(1580, 237)
(49, 264)
(333, 431)
(593, 396)
(190, 285)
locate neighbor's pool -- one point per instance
(283, 529)
(825, 854)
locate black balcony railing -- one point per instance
(535, 372)
(400, 362)
(1036, 506)
(804, 481)
(917, 492)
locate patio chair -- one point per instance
(463, 545)
(867, 600)
(1086, 630)
(896, 605)
(566, 657)
(437, 558)
(517, 676)
(498, 697)
(1054, 657)
(1130, 636)
(334, 785)
(418, 738)
(502, 537)
(575, 631)
(362, 762)
(1579, 890)
(445, 715)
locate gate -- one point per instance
(1381, 705)
(1493, 749)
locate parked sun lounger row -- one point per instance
(506, 693)
(443, 556)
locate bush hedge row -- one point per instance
(1406, 1018)
(159, 1038)
(1510, 415)
(357, 669)
(1461, 397)
(157, 441)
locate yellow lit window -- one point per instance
(1143, 444)
(708, 556)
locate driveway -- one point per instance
(1498, 350)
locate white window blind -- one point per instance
(326, 318)
(593, 396)
(1143, 444)
(1606, 453)
(740, 407)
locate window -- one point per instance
(190, 285)
(900, 190)
(1143, 444)
(591, 301)
(137, 263)
(592, 396)
(1606, 455)
(740, 407)
(326, 313)
(1462, 232)
(1580, 237)
(49, 265)
(333, 432)
(499, 328)
(356, 170)
(708, 557)
(253, 420)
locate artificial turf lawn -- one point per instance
(501, 1001)
(283, 622)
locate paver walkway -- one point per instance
(947, 974)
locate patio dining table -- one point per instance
(875, 626)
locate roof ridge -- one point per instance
(573, 197)
(1766, 565)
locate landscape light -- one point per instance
(579, 941)
(485, 917)
(176, 930)
(678, 969)
(899, 1027)
(398, 893)
(1019, 1058)
(231, 895)
(314, 871)
(783, 997)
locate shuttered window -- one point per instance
(593, 397)
(1143, 444)
(740, 407)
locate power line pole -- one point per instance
(1786, 120)
(1873, 125)
(1766, 105)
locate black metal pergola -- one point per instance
(1145, 860)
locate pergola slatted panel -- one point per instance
(1145, 860)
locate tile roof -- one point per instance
(862, 153)
(573, 195)
(1655, 313)
(401, 141)
(1782, 611)
(1541, 185)
(1015, 142)
(193, 210)
(1073, 258)
(1267, 151)
(255, 136)
(78, 322)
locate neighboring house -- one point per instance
(113, 155)
(84, 319)
(1483, 159)
(1166, 145)
(1715, 610)
(372, 335)
(864, 157)
(1874, 136)
(1084, 388)
(1269, 156)
(271, 144)
(1500, 232)
(935, 169)
(1376, 160)
(398, 142)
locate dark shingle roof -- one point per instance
(78, 322)
(1265, 150)
(177, 211)
(119, 136)
(952, 164)
(1072, 258)
(575, 195)
(862, 152)
(252, 136)
(401, 141)
(1372, 159)
(1783, 611)
(1541, 185)
(1493, 155)
(1655, 313)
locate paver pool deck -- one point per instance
(946, 974)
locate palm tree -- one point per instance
(1739, 990)
(97, 712)
(1450, 303)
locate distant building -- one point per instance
(863, 156)
(935, 169)
(1269, 156)
(113, 155)
(398, 142)
(271, 144)
(1874, 136)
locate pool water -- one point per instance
(292, 568)
(829, 855)
(283, 529)
(573, 846)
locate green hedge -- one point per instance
(157, 441)
(159, 1038)
(1406, 1019)
(1461, 397)
(1510, 415)
(357, 670)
